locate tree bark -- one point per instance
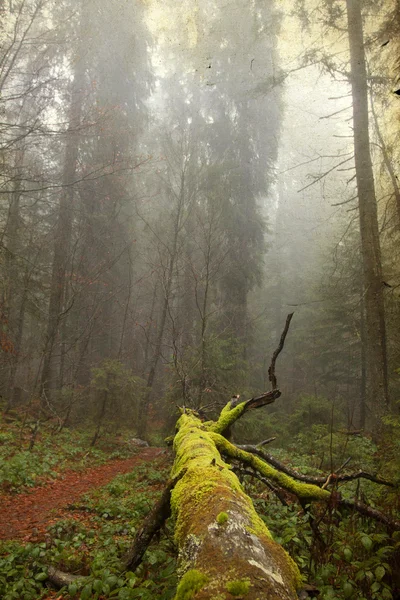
(62, 238)
(11, 291)
(363, 373)
(224, 546)
(370, 244)
(142, 424)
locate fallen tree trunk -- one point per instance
(225, 549)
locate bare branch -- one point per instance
(271, 370)
(276, 490)
(268, 441)
(325, 174)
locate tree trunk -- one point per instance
(62, 238)
(142, 424)
(387, 160)
(370, 245)
(224, 546)
(363, 374)
(19, 329)
(11, 283)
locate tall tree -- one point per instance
(63, 229)
(369, 229)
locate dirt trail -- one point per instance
(26, 516)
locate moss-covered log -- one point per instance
(225, 549)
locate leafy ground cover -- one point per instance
(53, 453)
(83, 519)
(88, 533)
(343, 555)
(28, 514)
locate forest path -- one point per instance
(26, 516)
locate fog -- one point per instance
(178, 178)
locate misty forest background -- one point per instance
(175, 180)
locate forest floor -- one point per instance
(27, 516)
(68, 505)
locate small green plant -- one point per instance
(22, 571)
(191, 583)
(238, 587)
(222, 518)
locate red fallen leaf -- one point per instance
(23, 513)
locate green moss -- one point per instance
(239, 587)
(227, 417)
(207, 481)
(222, 518)
(306, 491)
(191, 583)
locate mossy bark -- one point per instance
(305, 491)
(221, 552)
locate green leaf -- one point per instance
(106, 589)
(152, 558)
(72, 589)
(380, 572)
(43, 576)
(86, 593)
(348, 555)
(112, 581)
(348, 590)
(366, 542)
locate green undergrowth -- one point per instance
(91, 541)
(342, 554)
(53, 453)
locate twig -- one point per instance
(277, 491)
(346, 462)
(265, 442)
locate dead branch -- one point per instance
(151, 525)
(272, 395)
(306, 492)
(60, 579)
(258, 401)
(370, 512)
(240, 471)
(324, 174)
(271, 370)
(268, 441)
